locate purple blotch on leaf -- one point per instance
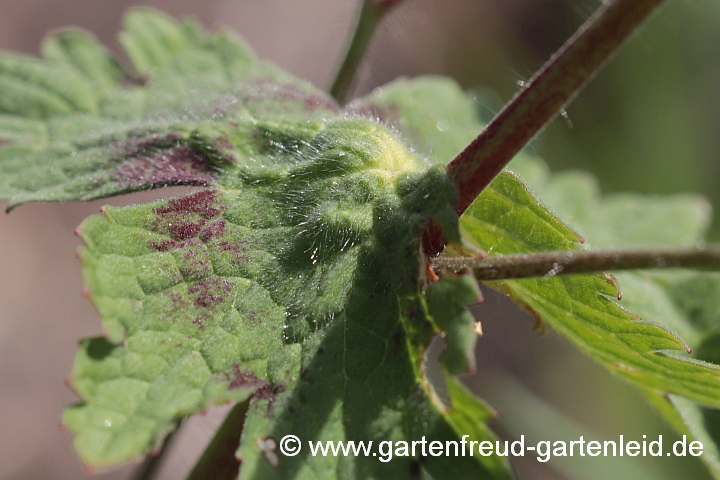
(210, 292)
(161, 161)
(185, 217)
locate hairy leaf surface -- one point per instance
(296, 276)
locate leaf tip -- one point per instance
(431, 275)
(478, 329)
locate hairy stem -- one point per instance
(580, 261)
(371, 14)
(218, 461)
(545, 95)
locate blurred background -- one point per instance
(648, 123)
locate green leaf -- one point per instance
(212, 305)
(296, 276)
(697, 422)
(508, 219)
(447, 301)
(683, 302)
(627, 221)
(583, 308)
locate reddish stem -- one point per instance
(545, 95)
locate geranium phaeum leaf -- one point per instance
(294, 276)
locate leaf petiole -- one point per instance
(371, 14)
(509, 267)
